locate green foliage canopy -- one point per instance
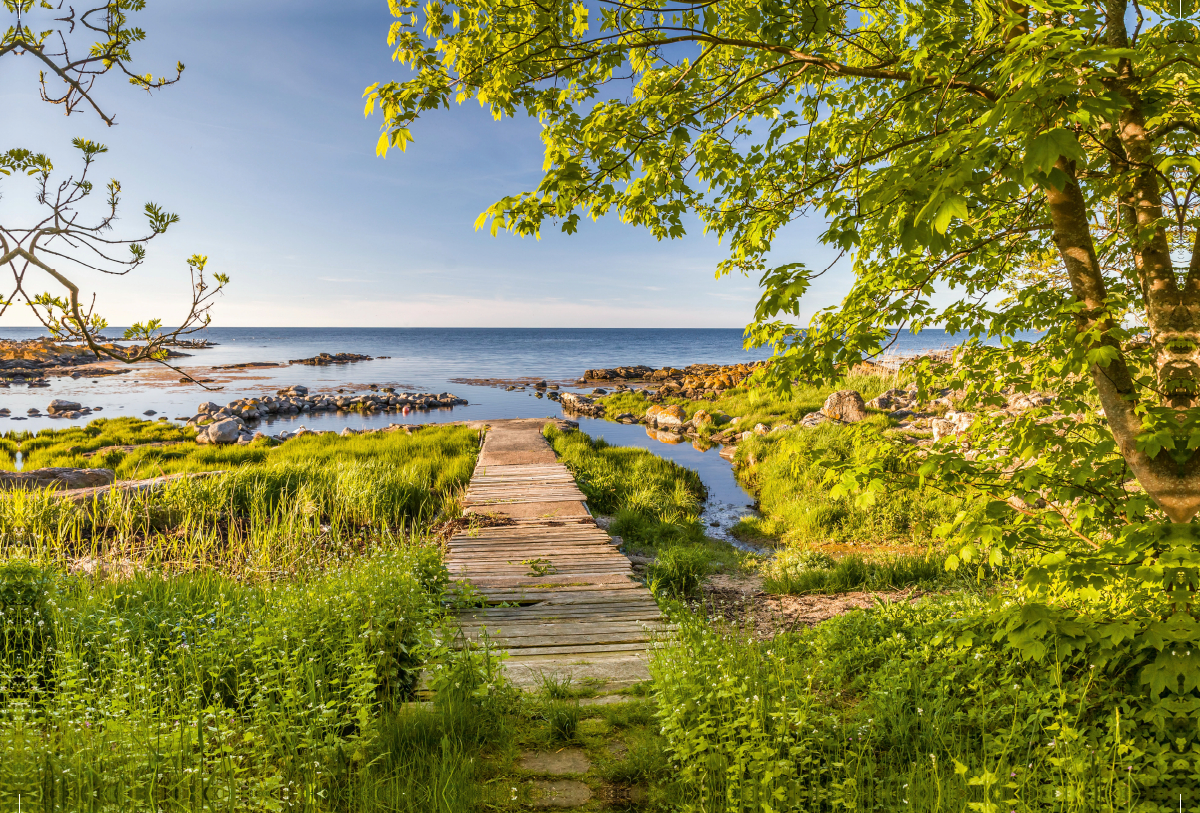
(1038, 160)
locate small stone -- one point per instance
(33, 411)
(813, 419)
(150, 412)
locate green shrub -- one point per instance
(906, 707)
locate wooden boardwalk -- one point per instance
(562, 599)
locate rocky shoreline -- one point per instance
(234, 422)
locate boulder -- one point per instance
(62, 478)
(669, 416)
(208, 407)
(761, 429)
(221, 432)
(845, 406)
(59, 405)
(701, 418)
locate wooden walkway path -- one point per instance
(572, 605)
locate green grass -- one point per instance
(654, 501)
(655, 508)
(799, 571)
(753, 404)
(895, 709)
(787, 472)
(161, 690)
(242, 641)
(274, 511)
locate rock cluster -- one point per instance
(633, 372)
(578, 404)
(693, 381)
(231, 423)
(323, 359)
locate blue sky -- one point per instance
(263, 151)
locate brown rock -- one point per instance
(701, 418)
(58, 477)
(671, 415)
(846, 406)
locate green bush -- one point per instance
(172, 688)
(909, 707)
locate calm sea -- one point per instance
(422, 359)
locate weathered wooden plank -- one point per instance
(561, 628)
(582, 649)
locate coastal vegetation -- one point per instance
(257, 637)
(1022, 175)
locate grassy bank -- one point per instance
(751, 404)
(273, 510)
(244, 640)
(789, 474)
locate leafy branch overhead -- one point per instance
(102, 33)
(990, 167)
(63, 240)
